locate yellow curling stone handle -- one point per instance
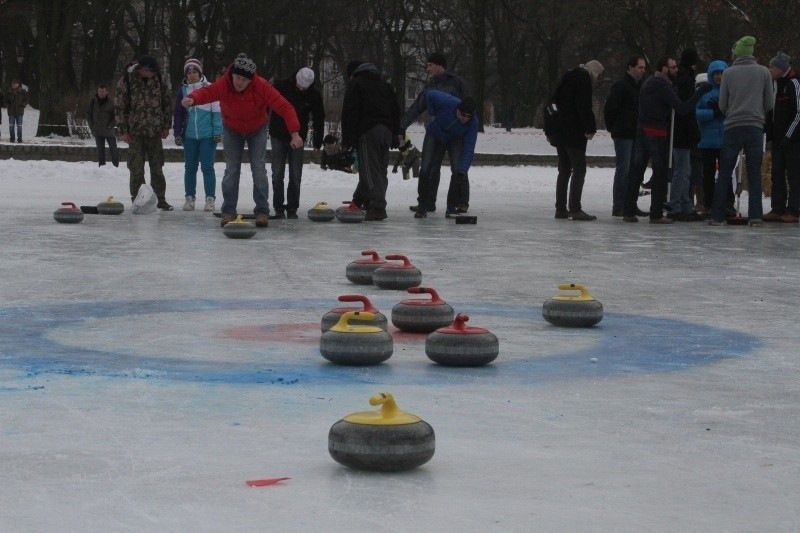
(344, 326)
(321, 206)
(389, 414)
(584, 296)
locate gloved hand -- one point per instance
(217, 139)
(178, 141)
(713, 105)
(704, 87)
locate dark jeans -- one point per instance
(710, 165)
(751, 140)
(429, 174)
(623, 148)
(655, 149)
(786, 166)
(571, 174)
(112, 147)
(281, 153)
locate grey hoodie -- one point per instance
(745, 95)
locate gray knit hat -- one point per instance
(781, 61)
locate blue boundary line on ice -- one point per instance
(623, 344)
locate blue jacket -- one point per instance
(710, 128)
(445, 126)
(200, 121)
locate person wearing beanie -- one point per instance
(657, 102)
(371, 126)
(100, 116)
(453, 126)
(16, 101)
(199, 130)
(143, 109)
(440, 79)
(351, 67)
(620, 113)
(685, 137)
(783, 136)
(306, 99)
(573, 97)
(745, 98)
(246, 99)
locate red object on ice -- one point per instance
(265, 482)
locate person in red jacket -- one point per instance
(245, 99)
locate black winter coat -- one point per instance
(622, 108)
(368, 101)
(305, 103)
(687, 134)
(574, 100)
(784, 120)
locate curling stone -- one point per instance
(360, 271)
(346, 344)
(419, 315)
(69, 214)
(110, 207)
(239, 229)
(389, 440)
(462, 345)
(321, 212)
(397, 277)
(573, 311)
(350, 213)
(331, 318)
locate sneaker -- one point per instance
(462, 209)
(580, 215)
(630, 219)
(450, 212)
(421, 214)
(772, 216)
(262, 220)
(416, 208)
(291, 213)
(562, 214)
(226, 219)
(755, 223)
(209, 203)
(164, 206)
(712, 222)
(662, 220)
(189, 204)
(787, 218)
(279, 214)
(374, 215)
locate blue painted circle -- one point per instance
(621, 344)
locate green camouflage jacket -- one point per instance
(143, 106)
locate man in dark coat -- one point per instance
(100, 116)
(371, 125)
(306, 99)
(657, 99)
(783, 134)
(446, 81)
(620, 113)
(574, 100)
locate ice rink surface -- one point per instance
(149, 366)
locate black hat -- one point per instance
(148, 63)
(352, 66)
(437, 58)
(689, 57)
(467, 106)
(244, 66)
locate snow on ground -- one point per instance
(149, 366)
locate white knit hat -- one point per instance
(305, 77)
(594, 67)
(192, 63)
